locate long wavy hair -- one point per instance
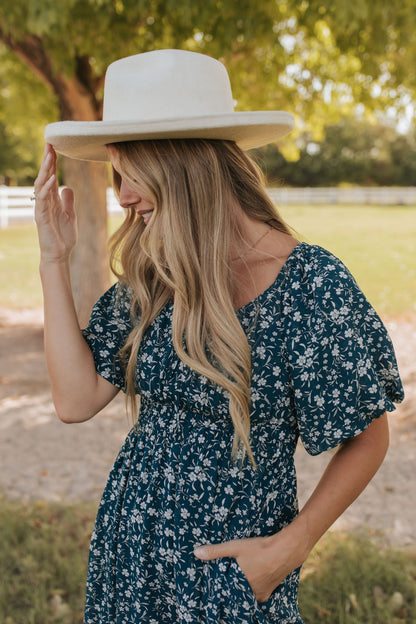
(184, 255)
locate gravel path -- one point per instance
(42, 458)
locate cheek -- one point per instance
(146, 203)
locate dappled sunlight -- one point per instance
(27, 411)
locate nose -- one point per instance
(128, 195)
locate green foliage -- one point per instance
(352, 151)
(104, 30)
(381, 32)
(26, 105)
(343, 46)
(317, 58)
(350, 580)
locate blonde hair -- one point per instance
(185, 255)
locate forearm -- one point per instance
(347, 474)
(77, 390)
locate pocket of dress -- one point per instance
(281, 606)
(241, 594)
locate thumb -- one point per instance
(67, 197)
(216, 551)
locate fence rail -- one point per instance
(15, 203)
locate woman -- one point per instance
(237, 338)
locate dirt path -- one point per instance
(41, 458)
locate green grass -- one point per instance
(43, 561)
(19, 260)
(378, 244)
(350, 580)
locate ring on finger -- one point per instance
(33, 196)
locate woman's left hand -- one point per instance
(264, 561)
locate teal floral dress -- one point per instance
(323, 367)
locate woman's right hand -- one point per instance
(54, 214)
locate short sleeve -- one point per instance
(107, 331)
(341, 360)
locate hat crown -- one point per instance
(166, 84)
(167, 94)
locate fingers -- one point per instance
(67, 197)
(46, 167)
(215, 551)
(46, 178)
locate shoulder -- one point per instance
(317, 268)
(320, 283)
(113, 308)
(315, 261)
(117, 298)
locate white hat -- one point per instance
(167, 94)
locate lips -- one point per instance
(143, 212)
(146, 216)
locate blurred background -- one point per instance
(344, 179)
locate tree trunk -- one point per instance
(89, 260)
(78, 101)
(89, 180)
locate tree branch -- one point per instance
(87, 81)
(76, 95)
(31, 51)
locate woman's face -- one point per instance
(132, 197)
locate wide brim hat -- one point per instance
(167, 94)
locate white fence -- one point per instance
(362, 195)
(15, 203)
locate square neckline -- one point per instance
(274, 283)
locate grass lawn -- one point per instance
(378, 244)
(43, 560)
(19, 260)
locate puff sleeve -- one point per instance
(342, 366)
(107, 331)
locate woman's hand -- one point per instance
(264, 561)
(54, 215)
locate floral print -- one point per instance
(323, 367)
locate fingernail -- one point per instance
(200, 551)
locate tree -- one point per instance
(352, 151)
(25, 108)
(314, 57)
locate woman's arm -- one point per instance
(266, 561)
(78, 391)
(347, 474)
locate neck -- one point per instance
(249, 237)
